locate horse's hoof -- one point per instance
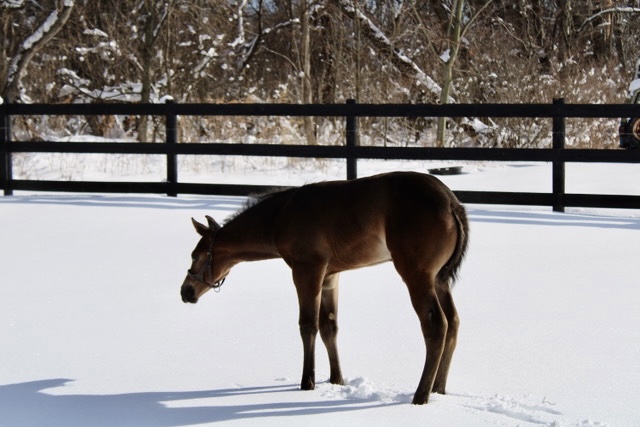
(337, 381)
(310, 385)
(420, 400)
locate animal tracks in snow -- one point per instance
(530, 410)
(496, 409)
(525, 410)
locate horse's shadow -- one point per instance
(225, 203)
(26, 404)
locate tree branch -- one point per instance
(607, 11)
(31, 45)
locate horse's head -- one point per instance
(206, 272)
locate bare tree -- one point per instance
(449, 61)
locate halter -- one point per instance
(199, 276)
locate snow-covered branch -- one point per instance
(608, 11)
(164, 15)
(239, 15)
(382, 43)
(248, 47)
(31, 45)
(12, 4)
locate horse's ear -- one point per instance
(213, 225)
(200, 228)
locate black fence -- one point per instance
(351, 152)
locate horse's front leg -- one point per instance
(308, 281)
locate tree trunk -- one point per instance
(156, 18)
(565, 27)
(145, 78)
(307, 92)
(454, 48)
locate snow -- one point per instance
(95, 32)
(44, 29)
(445, 56)
(13, 3)
(634, 86)
(93, 330)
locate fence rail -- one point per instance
(351, 152)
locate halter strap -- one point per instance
(199, 277)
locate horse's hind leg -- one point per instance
(329, 325)
(449, 308)
(434, 329)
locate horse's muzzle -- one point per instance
(188, 294)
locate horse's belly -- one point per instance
(363, 254)
(379, 253)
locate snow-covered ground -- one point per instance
(93, 331)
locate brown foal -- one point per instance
(321, 229)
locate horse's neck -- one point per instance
(249, 236)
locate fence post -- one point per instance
(171, 132)
(558, 174)
(352, 141)
(6, 173)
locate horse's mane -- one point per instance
(256, 199)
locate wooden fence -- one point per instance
(351, 152)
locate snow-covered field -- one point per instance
(93, 331)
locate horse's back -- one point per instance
(366, 202)
(363, 222)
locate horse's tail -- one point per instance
(449, 273)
